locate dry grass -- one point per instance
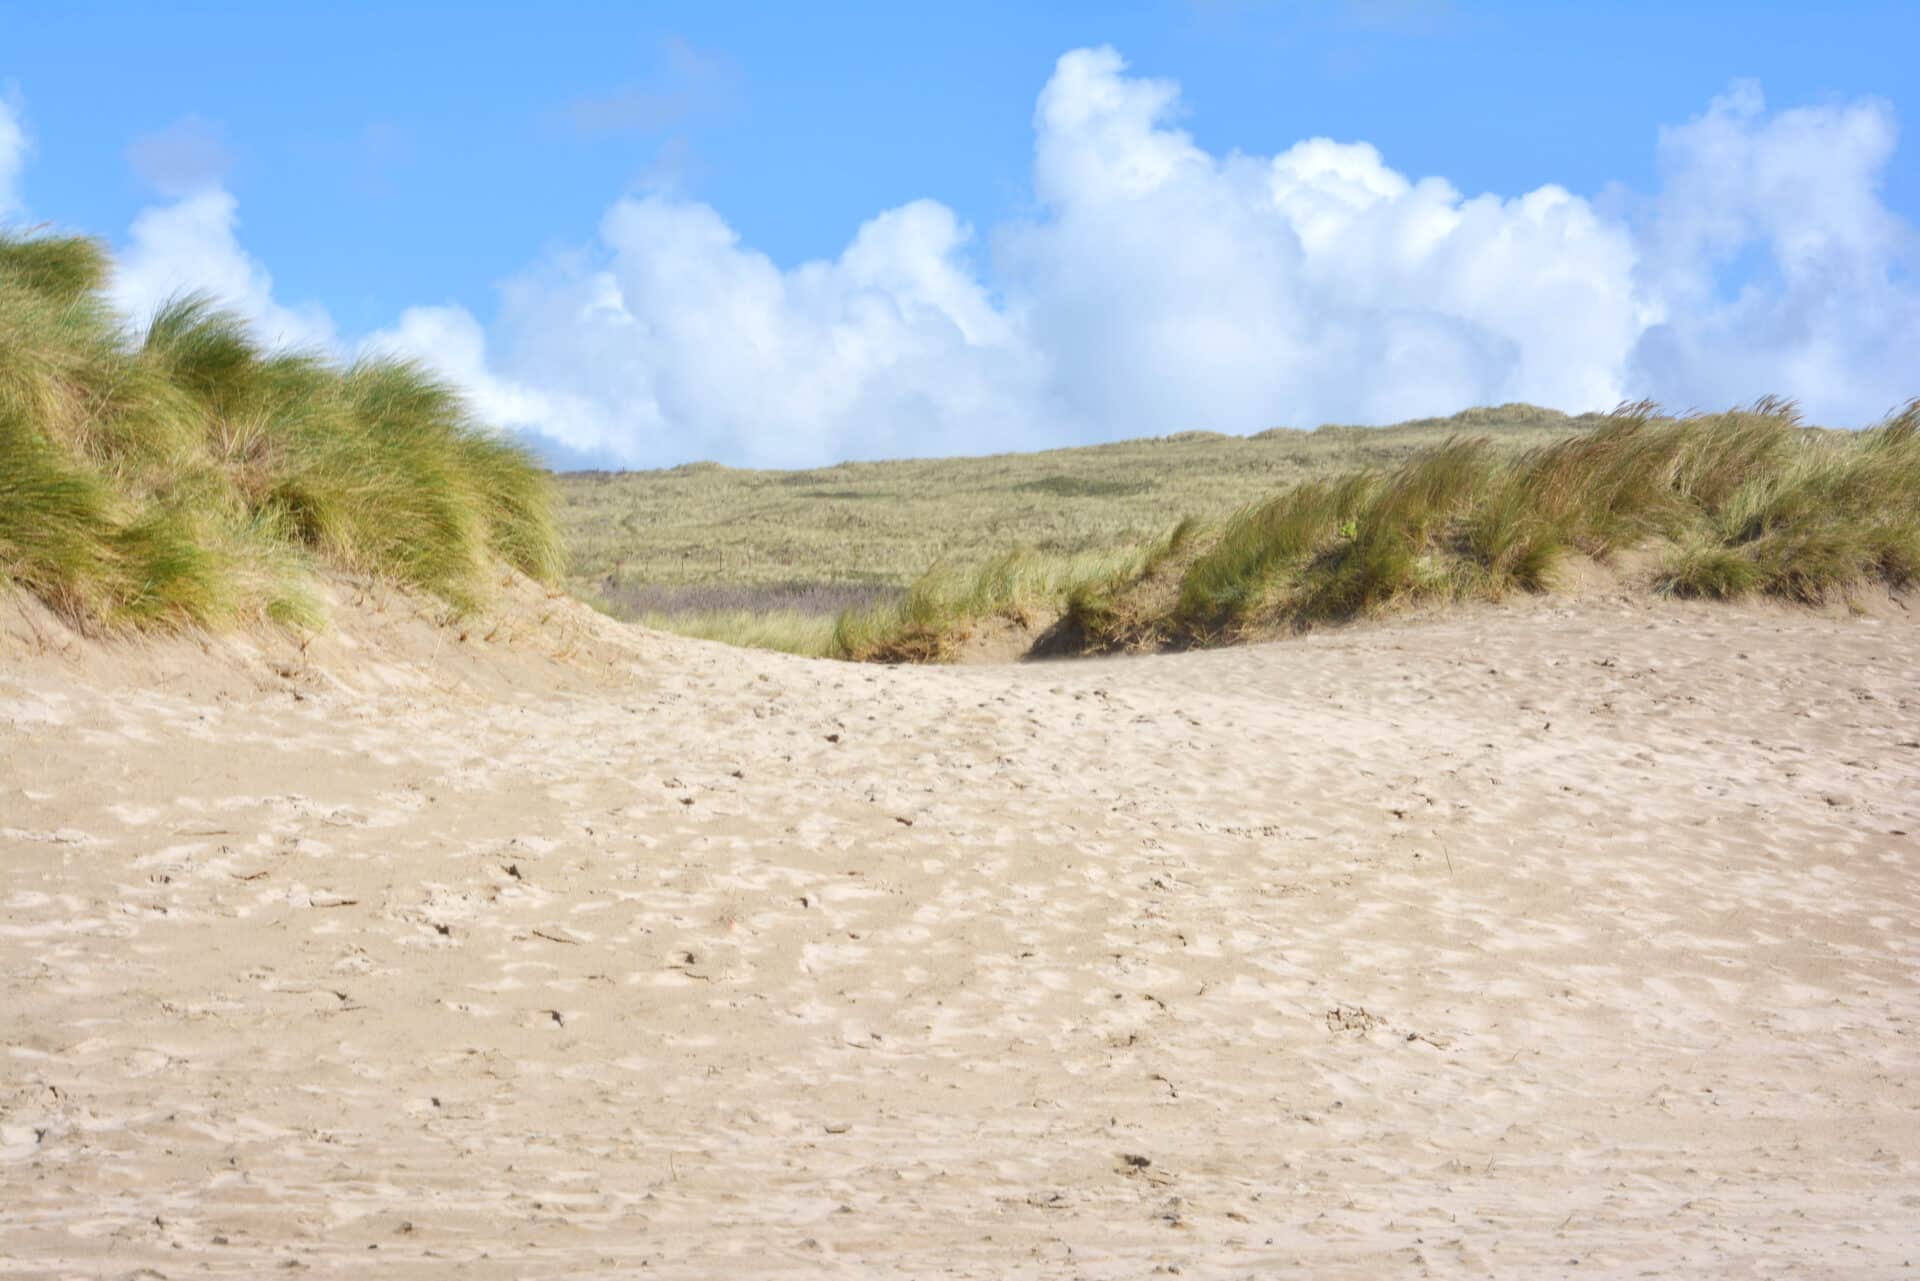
(787, 631)
(1361, 521)
(941, 609)
(794, 618)
(1742, 503)
(884, 523)
(651, 547)
(187, 476)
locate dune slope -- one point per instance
(1478, 945)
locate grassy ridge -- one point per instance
(1295, 529)
(1741, 503)
(189, 476)
(883, 523)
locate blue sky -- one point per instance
(465, 164)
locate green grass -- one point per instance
(1743, 503)
(1737, 504)
(187, 476)
(874, 528)
(786, 631)
(1277, 532)
(940, 611)
(884, 523)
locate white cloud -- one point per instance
(1161, 288)
(1158, 287)
(1176, 289)
(190, 246)
(13, 159)
(671, 340)
(1828, 309)
(187, 246)
(452, 343)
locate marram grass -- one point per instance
(867, 525)
(784, 631)
(1745, 503)
(186, 476)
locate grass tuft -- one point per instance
(786, 631)
(192, 477)
(1743, 503)
(941, 611)
(62, 269)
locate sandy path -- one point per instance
(1476, 946)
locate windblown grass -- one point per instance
(1738, 504)
(786, 631)
(941, 610)
(884, 523)
(649, 546)
(187, 476)
(793, 617)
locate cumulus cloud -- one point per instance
(1178, 289)
(191, 246)
(450, 341)
(1774, 263)
(1160, 287)
(1157, 286)
(13, 159)
(672, 339)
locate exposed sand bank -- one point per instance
(1475, 945)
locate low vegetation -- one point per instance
(945, 606)
(881, 524)
(1745, 503)
(792, 617)
(189, 476)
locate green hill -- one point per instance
(1201, 538)
(635, 536)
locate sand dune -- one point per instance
(1574, 939)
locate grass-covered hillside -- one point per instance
(1737, 504)
(1205, 539)
(185, 475)
(835, 533)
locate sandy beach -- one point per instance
(1572, 939)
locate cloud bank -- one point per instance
(1156, 287)
(1829, 312)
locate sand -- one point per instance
(1565, 940)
